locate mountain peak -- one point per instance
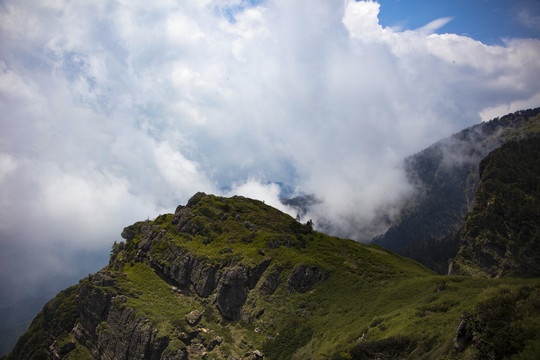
(255, 277)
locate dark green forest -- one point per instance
(501, 235)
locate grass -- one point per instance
(415, 308)
(152, 297)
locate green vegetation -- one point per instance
(152, 297)
(418, 316)
(293, 334)
(530, 128)
(504, 322)
(501, 235)
(229, 230)
(351, 300)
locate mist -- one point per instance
(114, 112)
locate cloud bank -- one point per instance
(116, 111)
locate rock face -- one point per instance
(110, 331)
(303, 278)
(234, 286)
(178, 265)
(464, 334)
(232, 292)
(193, 317)
(230, 282)
(271, 281)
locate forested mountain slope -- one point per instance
(446, 178)
(501, 235)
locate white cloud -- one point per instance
(362, 20)
(505, 108)
(183, 29)
(434, 25)
(183, 175)
(255, 188)
(131, 106)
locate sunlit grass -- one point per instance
(152, 297)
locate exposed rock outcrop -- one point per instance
(303, 278)
(271, 281)
(203, 278)
(234, 287)
(232, 292)
(111, 331)
(194, 317)
(464, 334)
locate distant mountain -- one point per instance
(501, 235)
(301, 203)
(446, 179)
(233, 278)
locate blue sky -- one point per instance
(117, 111)
(488, 21)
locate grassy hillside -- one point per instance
(300, 294)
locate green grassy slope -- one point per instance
(370, 303)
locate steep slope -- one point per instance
(501, 235)
(446, 178)
(232, 278)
